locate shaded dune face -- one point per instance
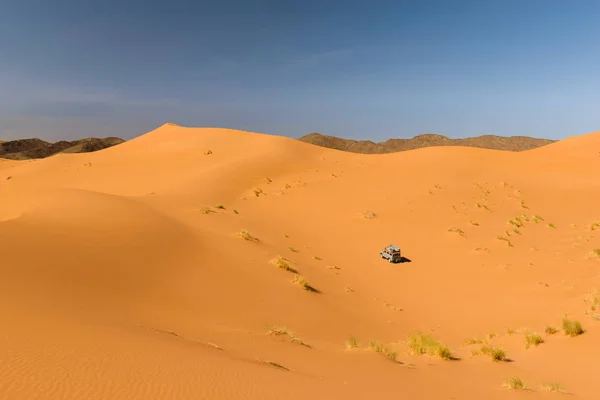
(218, 264)
(80, 248)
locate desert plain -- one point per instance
(204, 263)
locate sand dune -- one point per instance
(124, 275)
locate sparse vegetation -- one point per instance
(515, 383)
(479, 205)
(293, 250)
(317, 258)
(257, 192)
(282, 331)
(282, 263)
(537, 218)
(510, 331)
(553, 387)
(304, 283)
(596, 252)
(381, 349)
(472, 341)
(551, 226)
(505, 239)
(516, 222)
(594, 302)
(369, 215)
(474, 223)
(244, 234)
(457, 230)
(420, 343)
(495, 353)
(595, 226)
(273, 363)
(571, 327)
(532, 339)
(206, 210)
(235, 212)
(550, 330)
(523, 205)
(352, 343)
(220, 206)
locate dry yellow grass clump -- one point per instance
(282, 263)
(420, 343)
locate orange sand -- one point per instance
(117, 285)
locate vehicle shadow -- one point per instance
(405, 260)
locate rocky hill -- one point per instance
(511, 143)
(24, 149)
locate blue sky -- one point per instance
(361, 70)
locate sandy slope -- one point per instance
(118, 284)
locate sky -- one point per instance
(356, 69)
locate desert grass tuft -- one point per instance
(293, 250)
(423, 344)
(550, 330)
(206, 210)
(596, 252)
(369, 215)
(516, 222)
(457, 230)
(244, 234)
(352, 343)
(282, 331)
(505, 239)
(282, 263)
(274, 364)
(553, 387)
(551, 226)
(220, 206)
(304, 283)
(594, 226)
(510, 331)
(474, 223)
(536, 218)
(533, 339)
(495, 353)
(479, 205)
(515, 383)
(257, 192)
(472, 341)
(571, 327)
(594, 301)
(235, 212)
(381, 349)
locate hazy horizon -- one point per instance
(359, 71)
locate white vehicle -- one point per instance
(392, 253)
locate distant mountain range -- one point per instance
(510, 143)
(25, 149)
